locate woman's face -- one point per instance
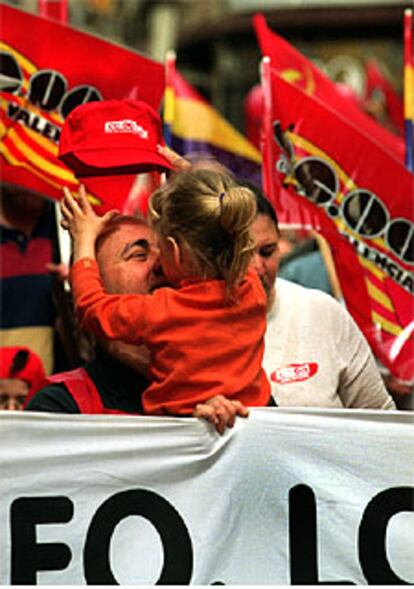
(266, 254)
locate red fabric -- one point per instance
(83, 390)
(81, 68)
(33, 372)
(365, 214)
(200, 346)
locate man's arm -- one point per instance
(108, 316)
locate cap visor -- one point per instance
(111, 161)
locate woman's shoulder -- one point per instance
(312, 307)
(307, 304)
(289, 293)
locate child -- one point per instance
(205, 332)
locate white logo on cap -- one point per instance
(126, 126)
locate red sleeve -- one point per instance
(110, 316)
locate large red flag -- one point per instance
(363, 200)
(297, 69)
(41, 82)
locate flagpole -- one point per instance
(169, 97)
(266, 132)
(408, 89)
(58, 10)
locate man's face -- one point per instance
(13, 393)
(266, 254)
(128, 260)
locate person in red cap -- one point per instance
(203, 220)
(33, 307)
(21, 373)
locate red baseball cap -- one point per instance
(31, 370)
(107, 143)
(112, 135)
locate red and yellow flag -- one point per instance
(362, 199)
(42, 82)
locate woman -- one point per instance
(315, 355)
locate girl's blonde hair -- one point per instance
(211, 215)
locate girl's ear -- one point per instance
(174, 251)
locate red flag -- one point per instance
(297, 69)
(42, 82)
(290, 211)
(363, 200)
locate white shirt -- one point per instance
(316, 356)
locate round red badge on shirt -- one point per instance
(294, 372)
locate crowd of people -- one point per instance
(203, 265)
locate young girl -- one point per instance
(205, 332)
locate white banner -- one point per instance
(286, 497)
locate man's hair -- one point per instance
(114, 224)
(211, 215)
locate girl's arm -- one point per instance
(109, 316)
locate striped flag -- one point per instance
(362, 199)
(192, 125)
(42, 82)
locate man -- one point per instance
(29, 254)
(128, 257)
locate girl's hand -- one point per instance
(83, 224)
(179, 163)
(221, 412)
